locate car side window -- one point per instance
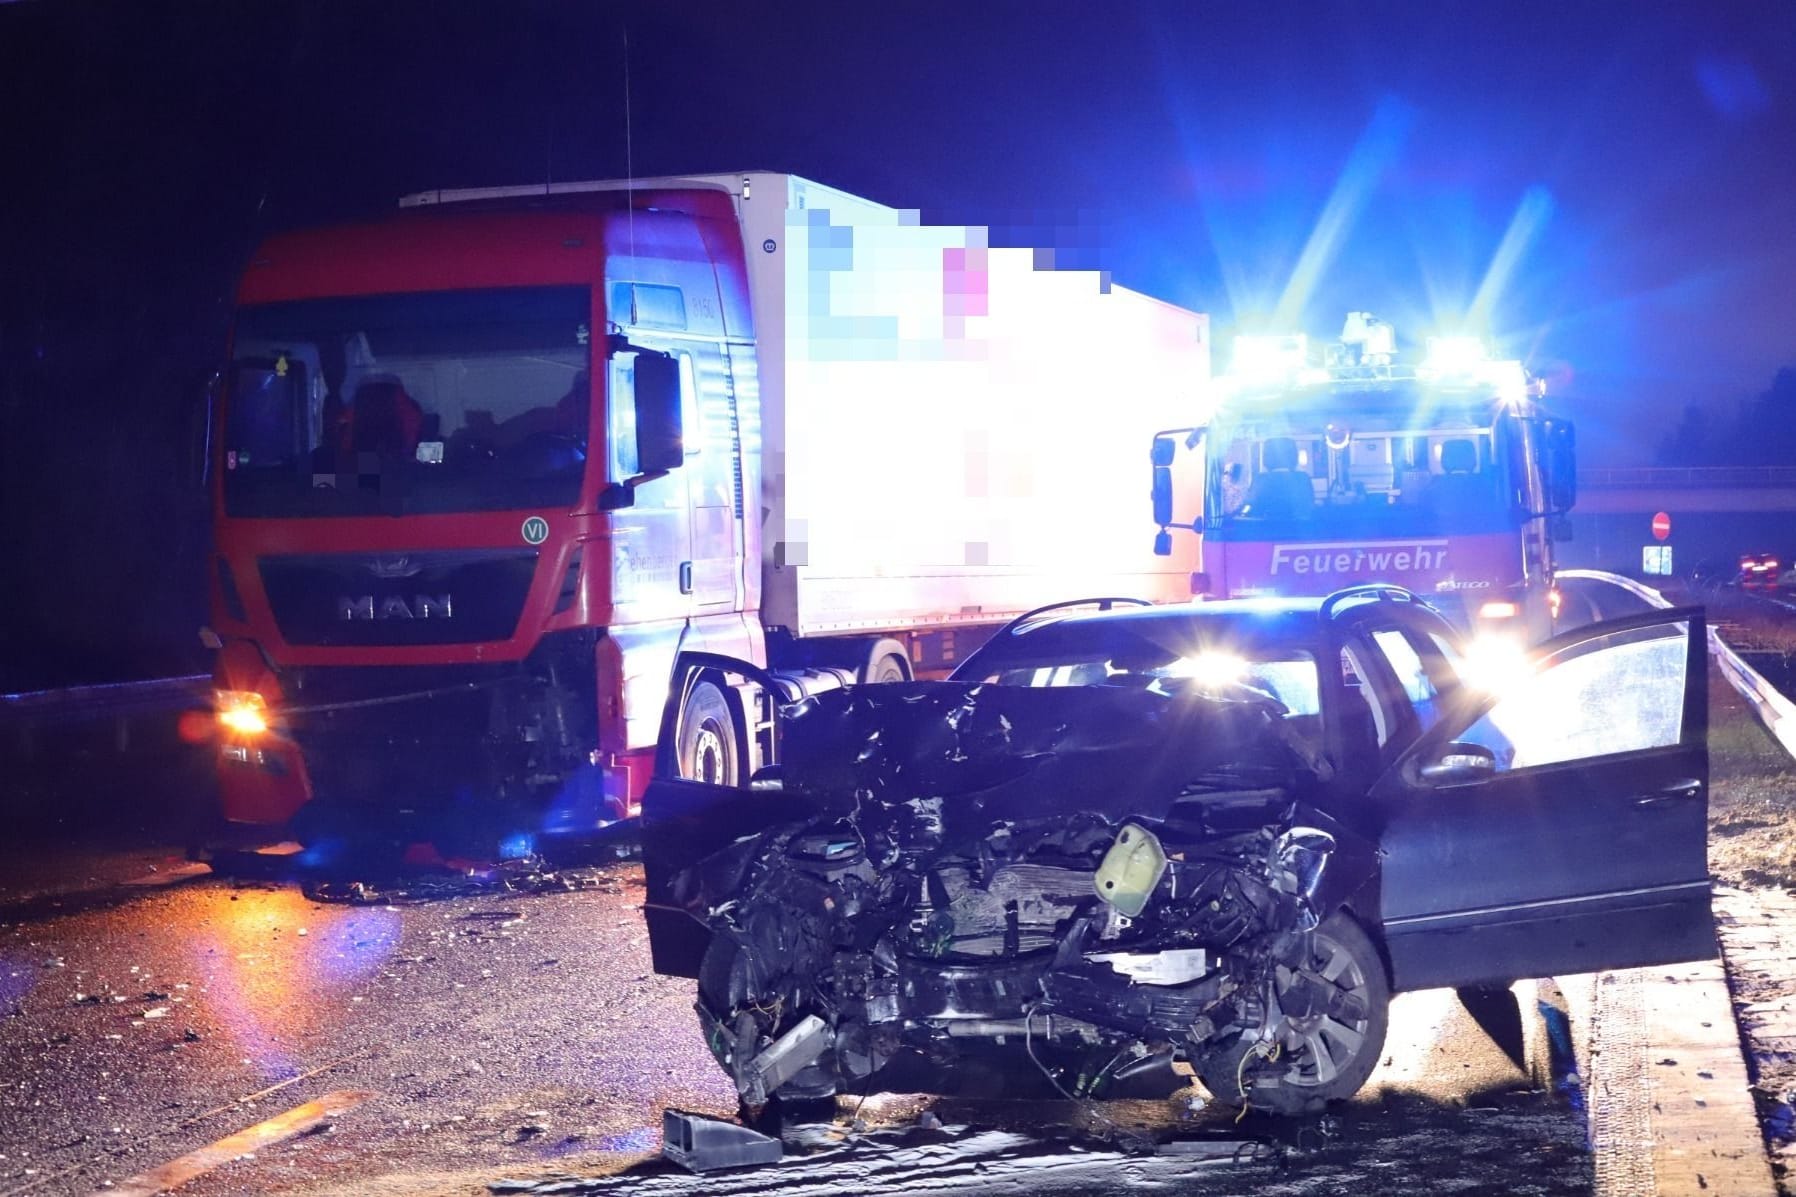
(1619, 692)
(1449, 654)
(1362, 701)
(1412, 675)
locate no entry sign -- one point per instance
(1661, 526)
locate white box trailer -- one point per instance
(951, 433)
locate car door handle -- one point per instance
(685, 577)
(1672, 793)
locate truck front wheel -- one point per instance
(887, 662)
(707, 738)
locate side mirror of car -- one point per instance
(1458, 764)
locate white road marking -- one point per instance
(296, 1121)
(193, 868)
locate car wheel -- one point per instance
(1327, 1025)
(708, 739)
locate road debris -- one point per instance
(702, 1144)
(431, 882)
(895, 1161)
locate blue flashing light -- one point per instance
(1271, 357)
(1456, 355)
(320, 854)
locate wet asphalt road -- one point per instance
(494, 1030)
(519, 1035)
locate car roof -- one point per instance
(1275, 616)
(1246, 623)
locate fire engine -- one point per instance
(1319, 471)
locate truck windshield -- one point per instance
(434, 402)
(1361, 473)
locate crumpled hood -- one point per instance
(944, 760)
(921, 768)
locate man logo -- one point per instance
(393, 606)
(536, 530)
(395, 567)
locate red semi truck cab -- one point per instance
(437, 482)
(483, 467)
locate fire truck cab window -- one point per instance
(1281, 490)
(1351, 473)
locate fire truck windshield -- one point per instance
(1359, 471)
(434, 402)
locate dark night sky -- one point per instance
(1640, 157)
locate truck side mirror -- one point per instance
(1164, 450)
(202, 420)
(1561, 466)
(1162, 495)
(660, 436)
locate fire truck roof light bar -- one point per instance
(1265, 365)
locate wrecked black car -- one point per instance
(1220, 834)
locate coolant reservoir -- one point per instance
(1131, 869)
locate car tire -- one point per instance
(1322, 1057)
(708, 750)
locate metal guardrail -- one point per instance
(35, 723)
(1687, 476)
(113, 698)
(1775, 711)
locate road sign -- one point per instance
(1662, 526)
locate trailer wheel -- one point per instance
(708, 738)
(887, 662)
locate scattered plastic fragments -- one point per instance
(531, 875)
(702, 1144)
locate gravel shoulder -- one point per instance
(1752, 853)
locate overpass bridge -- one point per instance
(1717, 513)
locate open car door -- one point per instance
(686, 821)
(1561, 826)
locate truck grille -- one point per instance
(402, 737)
(417, 736)
(369, 599)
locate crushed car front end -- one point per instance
(1103, 880)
